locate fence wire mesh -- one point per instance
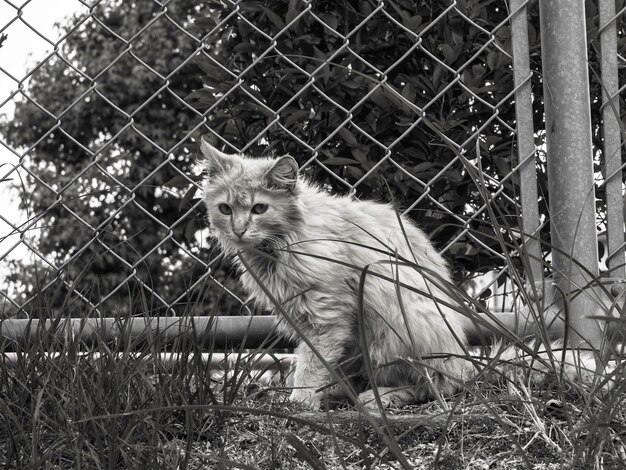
(407, 100)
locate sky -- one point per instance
(22, 50)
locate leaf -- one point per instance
(381, 97)
(424, 168)
(185, 202)
(348, 136)
(210, 68)
(205, 23)
(412, 23)
(492, 58)
(438, 75)
(365, 8)
(351, 84)
(448, 53)
(246, 47)
(179, 181)
(274, 18)
(503, 165)
(292, 10)
(295, 115)
(360, 154)
(355, 171)
(190, 230)
(340, 161)
(478, 70)
(330, 20)
(409, 92)
(201, 97)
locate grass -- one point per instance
(123, 405)
(120, 404)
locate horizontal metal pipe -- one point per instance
(262, 361)
(213, 333)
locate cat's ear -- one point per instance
(215, 162)
(283, 174)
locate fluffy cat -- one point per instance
(311, 250)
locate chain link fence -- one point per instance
(410, 101)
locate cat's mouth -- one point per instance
(245, 241)
(252, 243)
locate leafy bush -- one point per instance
(371, 99)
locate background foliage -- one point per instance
(138, 110)
(109, 88)
(345, 79)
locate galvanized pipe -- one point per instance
(216, 332)
(612, 140)
(212, 333)
(570, 163)
(259, 361)
(526, 142)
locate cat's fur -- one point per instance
(310, 249)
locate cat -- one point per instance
(353, 277)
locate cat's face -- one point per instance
(251, 203)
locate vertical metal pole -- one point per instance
(612, 140)
(526, 141)
(570, 162)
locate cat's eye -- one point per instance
(225, 209)
(259, 208)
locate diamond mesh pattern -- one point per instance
(111, 225)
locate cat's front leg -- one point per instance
(311, 374)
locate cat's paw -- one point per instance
(307, 397)
(389, 398)
(368, 400)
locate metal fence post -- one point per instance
(526, 140)
(612, 140)
(570, 163)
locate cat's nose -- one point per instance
(239, 233)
